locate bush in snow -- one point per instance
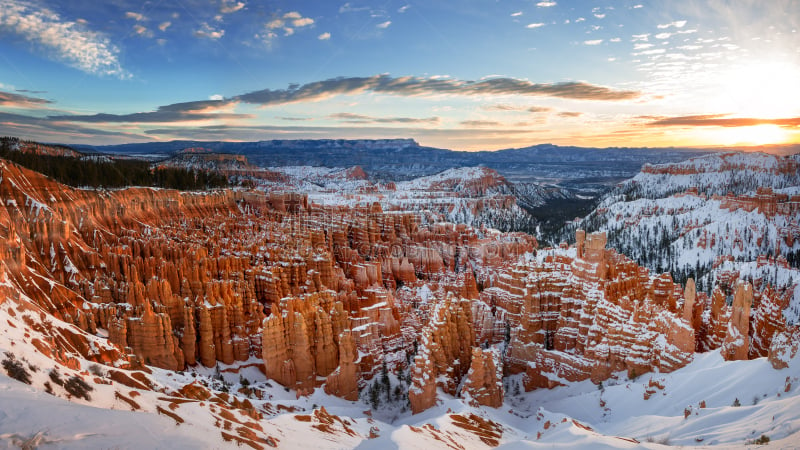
(78, 388)
(15, 369)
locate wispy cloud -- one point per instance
(418, 86)
(363, 119)
(347, 7)
(324, 36)
(54, 130)
(288, 23)
(479, 123)
(545, 4)
(568, 114)
(177, 112)
(208, 32)
(384, 25)
(293, 119)
(403, 8)
(516, 14)
(535, 25)
(64, 40)
(722, 120)
(141, 30)
(228, 7)
(676, 24)
(11, 100)
(135, 16)
(593, 42)
(164, 25)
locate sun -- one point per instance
(762, 89)
(745, 136)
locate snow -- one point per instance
(651, 219)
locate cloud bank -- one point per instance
(418, 87)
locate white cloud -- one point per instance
(384, 25)
(324, 36)
(275, 23)
(216, 97)
(302, 22)
(142, 31)
(600, 16)
(228, 7)
(641, 46)
(593, 42)
(663, 35)
(403, 9)
(289, 23)
(347, 7)
(135, 16)
(69, 41)
(612, 59)
(638, 6)
(516, 14)
(545, 4)
(207, 31)
(579, 19)
(164, 25)
(676, 24)
(640, 37)
(616, 39)
(535, 25)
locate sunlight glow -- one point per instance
(755, 135)
(762, 89)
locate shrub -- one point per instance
(55, 377)
(16, 370)
(96, 370)
(78, 388)
(763, 440)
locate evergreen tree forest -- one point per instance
(104, 172)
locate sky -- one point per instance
(464, 75)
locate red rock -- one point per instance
(483, 384)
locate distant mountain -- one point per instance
(403, 159)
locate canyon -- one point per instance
(350, 298)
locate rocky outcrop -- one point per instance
(445, 350)
(586, 317)
(343, 382)
(483, 384)
(784, 348)
(737, 340)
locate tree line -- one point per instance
(104, 172)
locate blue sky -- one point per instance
(468, 74)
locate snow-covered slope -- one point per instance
(475, 196)
(716, 218)
(709, 403)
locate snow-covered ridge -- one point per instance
(689, 218)
(715, 174)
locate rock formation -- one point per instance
(330, 295)
(737, 340)
(483, 384)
